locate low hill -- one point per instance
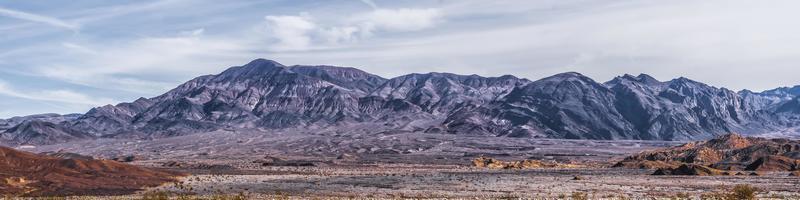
(28, 174)
(731, 152)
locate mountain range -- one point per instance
(266, 95)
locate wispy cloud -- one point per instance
(143, 48)
(146, 65)
(39, 18)
(301, 32)
(291, 32)
(370, 3)
(403, 19)
(60, 96)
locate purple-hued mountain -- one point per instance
(265, 94)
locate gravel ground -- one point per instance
(406, 165)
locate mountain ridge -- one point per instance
(265, 94)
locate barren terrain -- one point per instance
(405, 164)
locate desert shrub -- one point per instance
(239, 196)
(44, 198)
(681, 196)
(155, 195)
(743, 192)
(509, 196)
(738, 192)
(579, 196)
(714, 196)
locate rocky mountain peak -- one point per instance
(262, 63)
(41, 132)
(645, 78)
(343, 76)
(782, 92)
(565, 84)
(641, 79)
(265, 94)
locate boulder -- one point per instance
(795, 173)
(691, 170)
(773, 163)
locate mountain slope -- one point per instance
(41, 132)
(571, 105)
(31, 175)
(262, 93)
(265, 94)
(567, 105)
(48, 117)
(443, 92)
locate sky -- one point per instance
(69, 56)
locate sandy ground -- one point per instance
(407, 165)
(465, 182)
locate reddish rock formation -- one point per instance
(491, 163)
(691, 169)
(774, 163)
(28, 174)
(731, 152)
(795, 173)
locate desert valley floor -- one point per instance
(302, 165)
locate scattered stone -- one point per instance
(346, 156)
(491, 163)
(727, 173)
(213, 167)
(795, 173)
(690, 169)
(773, 163)
(172, 164)
(67, 155)
(128, 158)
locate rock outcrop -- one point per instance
(691, 170)
(731, 152)
(491, 163)
(27, 174)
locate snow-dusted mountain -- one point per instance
(264, 94)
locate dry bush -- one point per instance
(681, 196)
(738, 192)
(161, 195)
(579, 196)
(155, 195)
(743, 192)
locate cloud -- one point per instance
(291, 32)
(60, 96)
(370, 3)
(146, 65)
(404, 19)
(78, 48)
(194, 33)
(301, 32)
(146, 48)
(39, 18)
